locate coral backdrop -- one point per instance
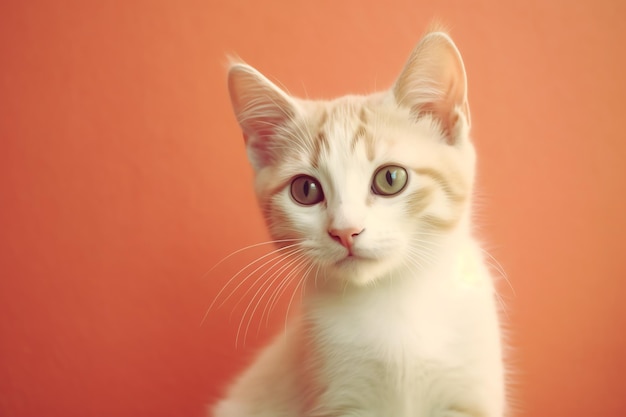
(123, 180)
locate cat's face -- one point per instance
(363, 185)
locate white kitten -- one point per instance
(399, 318)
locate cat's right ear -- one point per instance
(261, 109)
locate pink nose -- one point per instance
(345, 236)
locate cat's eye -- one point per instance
(306, 190)
(389, 180)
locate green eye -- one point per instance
(306, 190)
(389, 180)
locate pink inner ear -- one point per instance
(261, 108)
(259, 137)
(263, 128)
(446, 110)
(447, 119)
(260, 152)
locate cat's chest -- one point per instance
(406, 324)
(379, 352)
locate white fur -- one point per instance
(408, 326)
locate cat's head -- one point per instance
(363, 185)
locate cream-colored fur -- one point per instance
(399, 317)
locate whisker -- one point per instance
(265, 313)
(280, 290)
(273, 253)
(256, 245)
(269, 285)
(502, 304)
(265, 284)
(422, 253)
(219, 294)
(295, 290)
(306, 274)
(415, 261)
(276, 261)
(251, 315)
(316, 275)
(278, 276)
(424, 233)
(498, 267)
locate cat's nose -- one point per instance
(345, 236)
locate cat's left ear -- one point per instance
(433, 81)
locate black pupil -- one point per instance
(306, 187)
(389, 176)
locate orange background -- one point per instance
(123, 180)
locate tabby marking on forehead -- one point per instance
(320, 141)
(320, 144)
(342, 116)
(348, 114)
(363, 135)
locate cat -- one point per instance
(374, 192)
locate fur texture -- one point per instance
(372, 195)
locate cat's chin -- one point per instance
(352, 265)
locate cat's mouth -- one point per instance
(352, 258)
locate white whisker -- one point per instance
(256, 245)
(273, 278)
(267, 285)
(280, 290)
(498, 267)
(274, 262)
(295, 290)
(230, 281)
